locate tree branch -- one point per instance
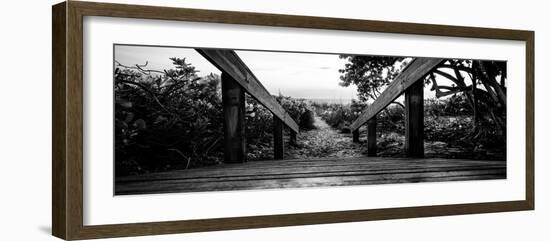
(493, 83)
(140, 68)
(459, 67)
(143, 87)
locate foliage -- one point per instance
(446, 120)
(339, 116)
(455, 105)
(173, 119)
(299, 110)
(259, 123)
(482, 82)
(336, 115)
(369, 73)
(154, 111)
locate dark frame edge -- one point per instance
(74, 121)
(530, 119)
(293, 21)
(67, 80)
(220, 224)
(67, 125)
(59, 176)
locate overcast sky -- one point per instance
(299, 75)
(292, 74)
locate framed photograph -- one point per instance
(171, 120)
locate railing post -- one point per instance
(234, 130)
(371, 138)
(414, 120)
(292, 138)
(355, 134)
(278, 144)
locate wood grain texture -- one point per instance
(292, 138)
(229, 62)
(355, 135)
(74, 121)
(278, 139)
(265, 221)
(371, 137)
(283, 20)
(234, 125)
(414, 120)
(59, 127)
(530, 119)
(311, 173)
(67, 137)
(306, 166)
(414, 71)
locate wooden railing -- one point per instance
(237, 79)
(410, 82)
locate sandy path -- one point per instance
(324, 141)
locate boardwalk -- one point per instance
(320, 157)
(311, 173)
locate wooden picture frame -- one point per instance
(67, 149)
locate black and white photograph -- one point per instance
(191, 119)
(271, 120)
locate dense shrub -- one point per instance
(299, 110)
(173, 119)
(447, 120)
(392, 119)
(154, 111)
(307, 120)
(447, 128)
(454, 105)
(339, 116)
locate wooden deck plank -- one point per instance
(274, 167)
(308, 174)
(220, 173)
(311, 173)
(173, 187)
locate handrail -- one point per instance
(416, 70)
(229, 62)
